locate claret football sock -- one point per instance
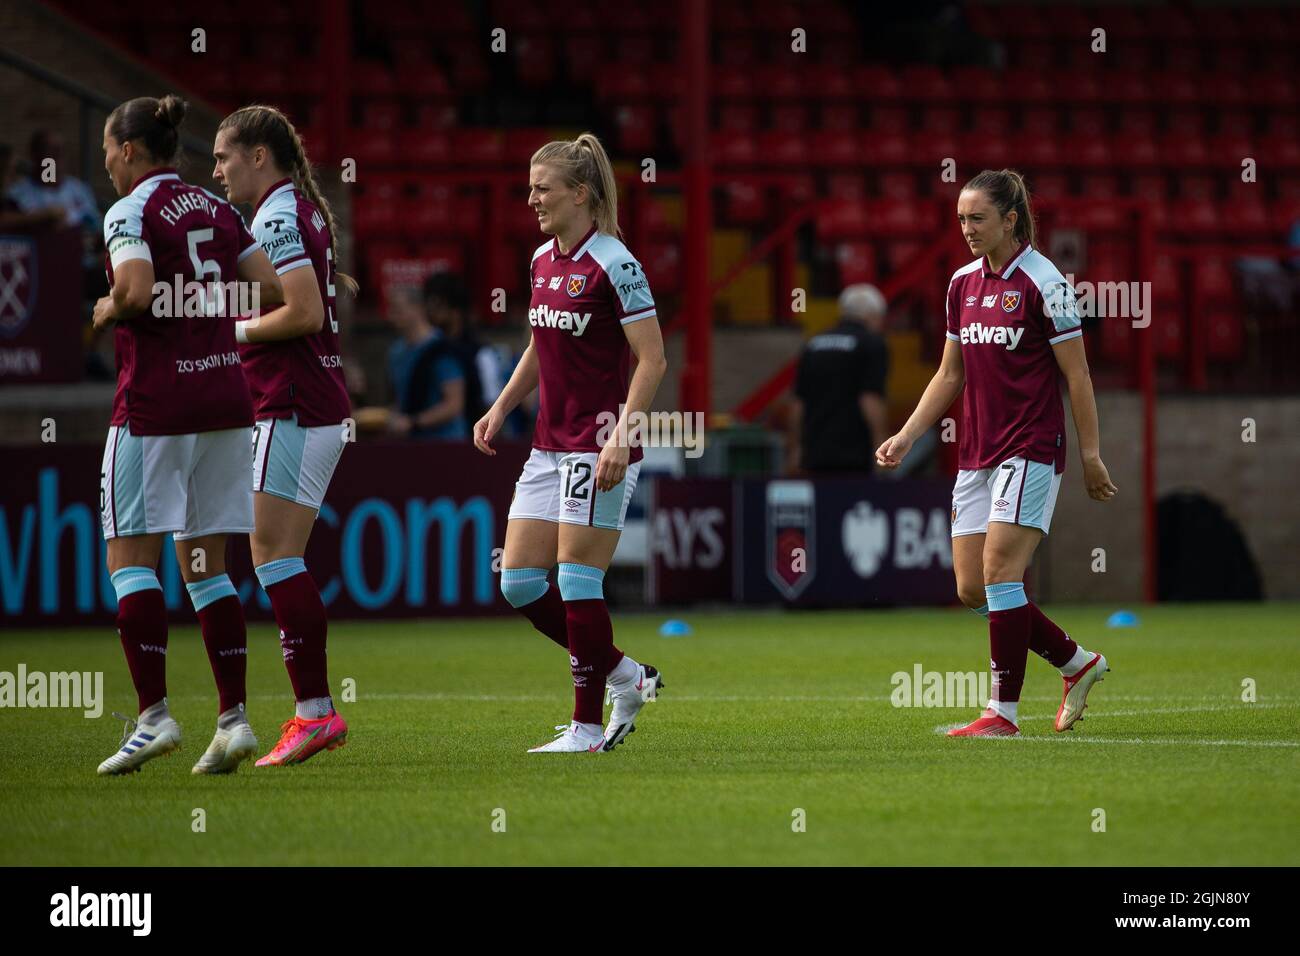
(142, 628)
(221, 619)
(1048, 641)
(1009, 630)
(299, 612)
(592, 654)
(529, 593)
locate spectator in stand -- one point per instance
(447, 303)
(12, 216)
(426, 378)
(839, 415)
(48, 184)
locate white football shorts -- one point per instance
(293, 462)
(561, 486)
(189, 485)
(1016, 491)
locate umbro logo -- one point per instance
(970, 300)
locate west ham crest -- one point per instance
(1009, 301)
(577, 284)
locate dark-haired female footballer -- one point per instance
(295, 373)
(1013, 333)
(590, 311)
(177, 456)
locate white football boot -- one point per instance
(628, 701)
(140, 743)
(571, 739)
(1074, 697)
(229, 748)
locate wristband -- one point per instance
(241, 330)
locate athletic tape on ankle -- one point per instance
(273, 572)
(523, 585)
(1006, 597)
(203, 593)
(130, 580)
(580, 582)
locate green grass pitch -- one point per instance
(764, 714)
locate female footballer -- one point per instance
(295, 374)
(1013, 333)
(591, 309)
(177, 455)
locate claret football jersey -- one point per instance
(1006, 323)
(302, 375)
(580, 302)
(179, 373)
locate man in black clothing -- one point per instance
(840, 413)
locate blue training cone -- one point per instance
(674, 628)
(1122, 619)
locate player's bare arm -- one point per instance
(1073, 363)
(303, 312)
(132, 293)
(646, 341)
(938, 397)
(522, 382)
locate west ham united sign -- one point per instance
(17, 283)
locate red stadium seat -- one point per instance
(842, 117)
(375, 210)
(742, 117)
(1089, 152)
(425, 146)
(930, 149)
(662, 264)
(372, 147)
(886, 148)
(1199, 217)
(846, 186)
(1212, 283)
(941, 119)
(1229, 149)
(1245, 216)
(899, 254)
(636, 128)
(535, 59)
(1175, 88)
(1184, 151)
(991, 120)
(583, 55)
(1040, 121)
(474, 147)
(1225, 335)
(1279, 152)
(1285, 214)
(1170, 338)
(897, 184)
(835, 148)
(744, 204)
(1116, 336)
(926, 84)
(420, 81)
(384, 115)
(977, 84)
(735, 147)
(776, 147)
(790, 117)
(856, 262)
(432, 211)
(878, 83)
(829, 82)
